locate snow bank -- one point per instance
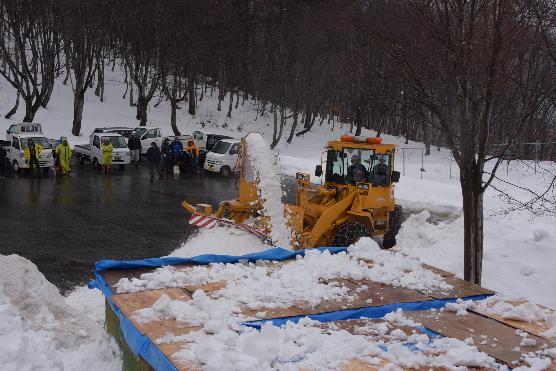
(40, 330)
(269, 187)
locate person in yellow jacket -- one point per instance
(31, 153)
(193, 151)
(106, 148)
(63, 153)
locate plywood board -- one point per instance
(440, 272)
(492, 337)
(365, 294)
(535, 328)
(460, 289)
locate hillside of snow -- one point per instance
(519, 248)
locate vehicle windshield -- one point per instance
(123, 132)
(117, 141)
(221, 147)
(38, 140)
(140, 131)
(355, 165)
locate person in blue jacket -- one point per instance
(176, 149)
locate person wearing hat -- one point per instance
(356, 171)
(166, 153)
(107, 149)
(380, 175)
(176, 149)
(63, 156)
(154, 156)
(193, 152)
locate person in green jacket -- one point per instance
(106, 148)
(63, 153)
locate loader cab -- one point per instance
(352, 162)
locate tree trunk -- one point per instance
(142, 104)
(16, 106)
(231, 104)
(294, 126)
(237, 100)
(29, 110)
(131, 104)
(99, 91)
(174, 106)
(78, 102)
(275, 131)
(191, 93)
(46, 98)
(472, 224)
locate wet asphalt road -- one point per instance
(65, 225)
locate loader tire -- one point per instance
(348, 234)
(395, 222)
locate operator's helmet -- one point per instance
(355, 160)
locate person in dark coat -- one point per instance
(166, 155)
(155, 159)
(134, 145)
(3, 155)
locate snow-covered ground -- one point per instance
(520, 245)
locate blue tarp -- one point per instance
(143, 347)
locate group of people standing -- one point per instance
(163, 159)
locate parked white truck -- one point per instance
(92, 151)
(15, 151)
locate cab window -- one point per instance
(197, 135)
(96, 141)
(151, 134)
(235, 149)
(15, 143)
(12, 129)
(349, 166)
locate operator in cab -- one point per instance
(356, 171)
(380, 175)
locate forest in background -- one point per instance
(474, 76)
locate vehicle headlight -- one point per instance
(218, 162)
(49, 155)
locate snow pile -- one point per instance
(309, 345)
(459, 307)
(264, 162)
(396, 269)
(39, 330)
(301, 281)
(290, 347)
(220, 240)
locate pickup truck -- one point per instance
(148, 134)
(16, 146)
(23, 128)
(205, 142)
(92, 151)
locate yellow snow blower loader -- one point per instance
(355, 200)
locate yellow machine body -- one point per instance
(321, 210)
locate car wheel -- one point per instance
(81, 159)
(95, 163)
(225, 171)
(16, 167)
(348, 233)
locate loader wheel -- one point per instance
(225, 171)
(395, 222)
(348, 234)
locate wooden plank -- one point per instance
(536, 328)
(492, 337)
(436, 270)
(460, 289)
(365, 294)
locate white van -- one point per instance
(148, 134)
(23, 128)
(223, 157)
